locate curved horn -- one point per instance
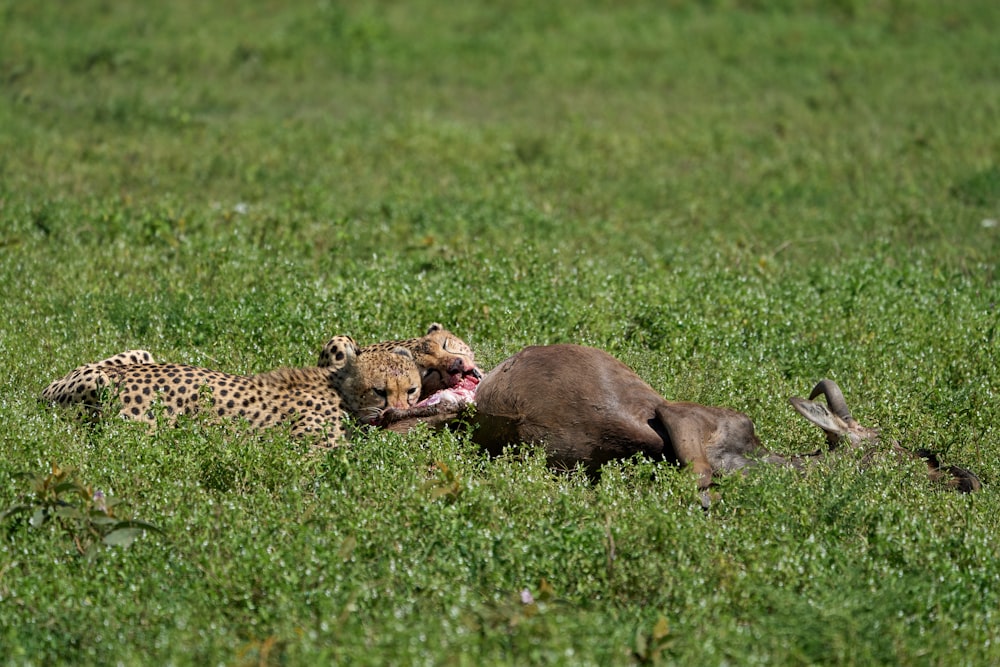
(834, 399)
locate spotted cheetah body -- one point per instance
(313, 399)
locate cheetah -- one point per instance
(444, 359)
(314, 399)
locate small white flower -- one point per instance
(99, 501)
(989, 223)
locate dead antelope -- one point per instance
(587, 408)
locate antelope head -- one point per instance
(836, 421)
(834, 418)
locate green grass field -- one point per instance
(735, 197)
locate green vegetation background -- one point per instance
(736, 197)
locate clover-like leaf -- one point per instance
(68, 512)
(122, 537)
(99, 518)
(14, 510)
(40, 516)
(125, 532)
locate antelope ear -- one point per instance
(818, 414)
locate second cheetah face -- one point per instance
(444, 359)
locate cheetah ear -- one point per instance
(342, 351)
(435, 326)
(333, 349)
(403, 352)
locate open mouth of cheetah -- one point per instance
(463, 391)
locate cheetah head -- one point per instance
(445, 360)
(369, 383)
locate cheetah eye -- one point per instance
(381, 393)
(411, 390)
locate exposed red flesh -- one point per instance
(464, 391)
